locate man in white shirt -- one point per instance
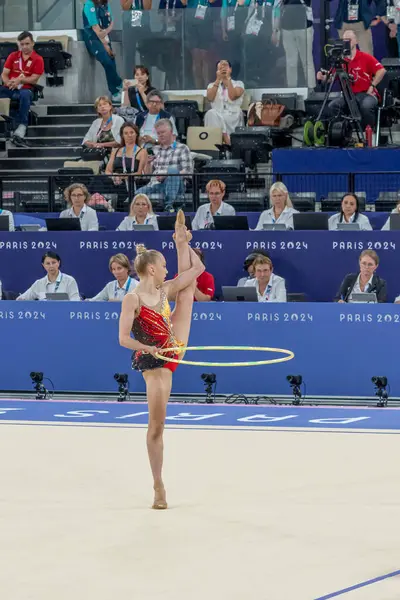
(7, 213)
(54, 282)
(270, 287)
(204, 217)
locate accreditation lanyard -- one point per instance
(390, 11)
(145, 121)
(126, 290)
(173, 12)
(352, 11)
(139, 100)
(104, 126)
(58, 283)
(230, 20)
(133, 159)
(201, 11)
(267, 292)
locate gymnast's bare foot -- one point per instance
(160, 498)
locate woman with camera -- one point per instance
(136, 90)
(350, 213)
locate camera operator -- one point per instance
(365, 72)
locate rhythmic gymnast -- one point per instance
(146, 313)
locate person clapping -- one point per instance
(115, 291)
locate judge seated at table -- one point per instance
(350, 213)
(281, 210)
(270, 287)
(365, 281)
(395, 211)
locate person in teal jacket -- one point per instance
(97, 25)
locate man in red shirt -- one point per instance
(366, 72)
(205, 287)
(22, 70)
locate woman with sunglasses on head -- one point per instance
(140, 213)
(146, 315)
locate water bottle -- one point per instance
(368, 135)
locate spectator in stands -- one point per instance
(359, 17)
(366, 281)
(395, 211)
(295, 20)
(270, 287)
(140, 213)
(281, 210)
(7, 213)
(204, 217)
(104, 132)
(226, 97)
(146, 120)
(171, 158)
(138, 89)
(54, 282)
(366, 72)
(129, 157)
(77, 197)
(349, 213)
(22, 71)
(248, 266)
(97, 25)
(205, 287)
(115, 291)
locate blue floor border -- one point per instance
(357, 586)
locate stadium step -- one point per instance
(20, 174)
(42, 164)
(65, 152)
(47, 141)
(66, 119)
(72, 109)
(57, 130)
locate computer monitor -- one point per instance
(57, 296)
(4, 223)
(231, 222)
(239, 294)
(31, 227)
(168, 223)
(63, 224)
(251, 147)
(394, 222)
(310, 221)
(348, 227)
(142, 227)
(296, 297)
(274, 227)
(363, 297)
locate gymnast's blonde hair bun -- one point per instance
(140, 249)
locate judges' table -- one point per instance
(313, 262)
(338, 347)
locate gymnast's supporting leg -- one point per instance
(158, 385)
(182, 315)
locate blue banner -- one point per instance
(313, 262)
(337, 347)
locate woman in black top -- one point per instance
(129, 157)
(136, 96)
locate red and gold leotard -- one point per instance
(153, 327)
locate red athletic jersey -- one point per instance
(16, 63)
(206, 284)
(362, 68)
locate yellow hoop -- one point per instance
(289, 356)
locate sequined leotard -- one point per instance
(153, 327)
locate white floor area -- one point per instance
(261, 515)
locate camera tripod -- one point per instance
(339, 129)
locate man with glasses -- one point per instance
(147, 119)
